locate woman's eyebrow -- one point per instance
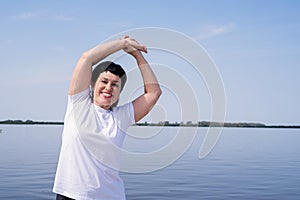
(107, 79)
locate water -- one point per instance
(245, 164)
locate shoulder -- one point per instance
(123, 107)
(79, 102)
(124, 112)
(79, 97)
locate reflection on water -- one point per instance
(245, 164)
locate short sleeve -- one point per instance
(79, 97)
(124, 115)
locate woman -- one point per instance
(94, 128)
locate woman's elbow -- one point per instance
(154, 95)
(158, 93)
(85, 56)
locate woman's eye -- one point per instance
(115, 85)
(104, 81)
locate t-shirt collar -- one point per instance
(101, 110)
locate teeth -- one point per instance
(107, 95)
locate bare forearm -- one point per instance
(82, 74)
(81, 78)
(151, 84)
(144, 103)
(101, 51)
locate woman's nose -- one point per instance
(109, 87)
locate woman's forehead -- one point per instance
(109, 76)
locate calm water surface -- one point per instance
(245, 164)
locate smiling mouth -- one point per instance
(106, 95)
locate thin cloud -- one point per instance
(215, 30)
(42, 15)
(30, 15)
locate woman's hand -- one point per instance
(133, 47)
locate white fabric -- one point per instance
(88, 163)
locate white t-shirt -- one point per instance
(89, 158)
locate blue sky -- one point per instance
(254, 44)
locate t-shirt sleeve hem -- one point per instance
(131, 111)
(80, 96)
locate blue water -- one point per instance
(245, 164)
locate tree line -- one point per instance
(167, 123)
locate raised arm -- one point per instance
(81, 78)
(144, 103)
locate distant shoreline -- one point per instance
(29, 122)
(167, 124)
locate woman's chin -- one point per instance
(103, 103)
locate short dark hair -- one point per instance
(112, 67)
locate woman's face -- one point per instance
(107, 90)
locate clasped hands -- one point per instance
(133, 47)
